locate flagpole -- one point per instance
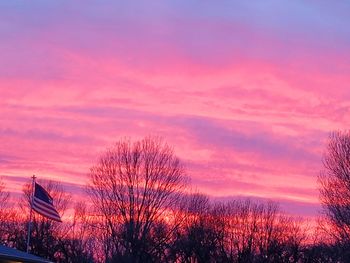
(31, 212)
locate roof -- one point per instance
(13, 255)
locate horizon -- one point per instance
(246, 93)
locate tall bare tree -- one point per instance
(134, 187)
(335, 185)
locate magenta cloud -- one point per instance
(246, 93)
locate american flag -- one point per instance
(43, 203)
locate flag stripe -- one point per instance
(42, 204)
(43, 211)
(48, 206)
(48, 211)
(46, 215)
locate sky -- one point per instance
(246, 92)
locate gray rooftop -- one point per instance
(13, 255)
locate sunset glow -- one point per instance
(245, 93)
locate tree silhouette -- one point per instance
(335, 185)
(134, 186)
(141, 211)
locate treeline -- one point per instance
(201, 231)
(140, 209)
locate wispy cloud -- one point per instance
(246, 92)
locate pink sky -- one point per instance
(247, 93)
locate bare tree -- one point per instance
(4, 196)
(335, 185)
(80, 243)
(200, 239)
(259, 232)
(5, 213)
(134, 186)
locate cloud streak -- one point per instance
(246, 92)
